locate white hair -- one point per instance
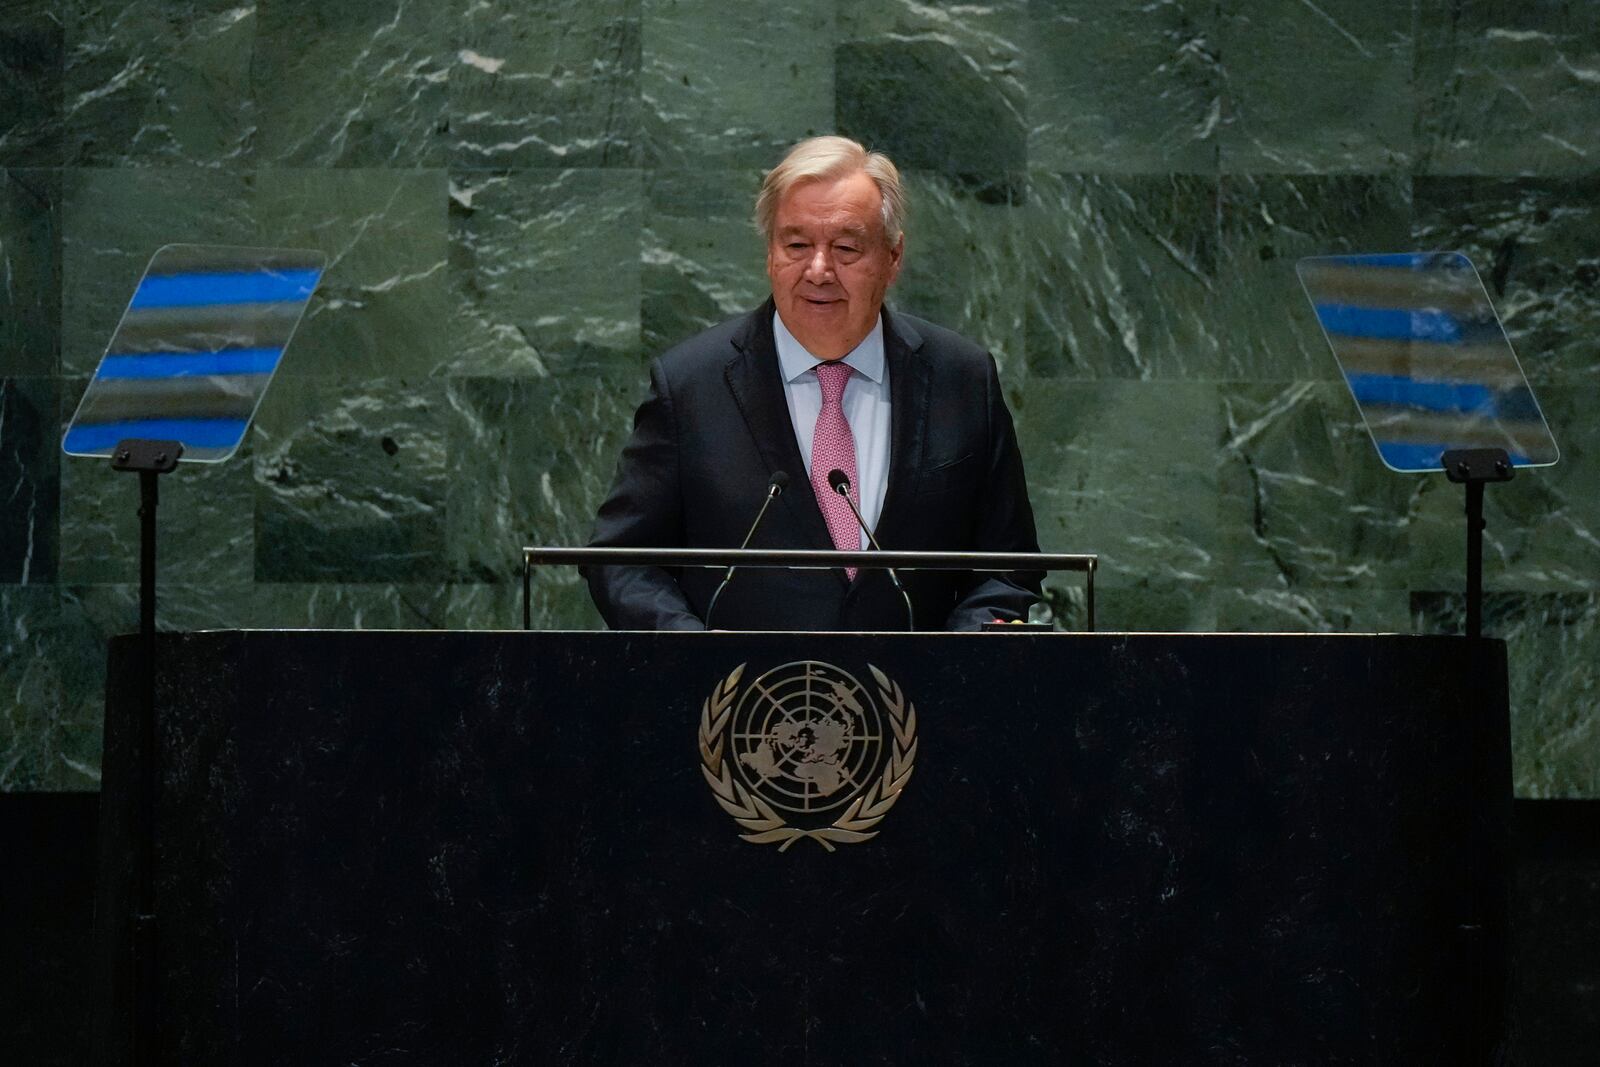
(818, 158)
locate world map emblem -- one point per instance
(807, 751)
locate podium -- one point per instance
(508, 848)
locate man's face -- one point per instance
(830, 262)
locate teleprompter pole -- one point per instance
(150, 459)
(1475, 526)
(1474, 467)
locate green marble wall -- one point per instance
(522, 201)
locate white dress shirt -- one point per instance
(865, 403)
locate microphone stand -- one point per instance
(780, 481)
(841, 485)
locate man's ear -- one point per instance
(897, 256)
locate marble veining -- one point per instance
(522, 203)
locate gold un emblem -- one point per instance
(807, 742)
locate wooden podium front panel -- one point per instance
(380, 847)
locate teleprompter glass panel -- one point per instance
(195, 350)
(1426, 358)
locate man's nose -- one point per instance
(820, 267)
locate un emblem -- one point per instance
(804, 744)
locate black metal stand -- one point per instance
(1474, 467)
(149, 459)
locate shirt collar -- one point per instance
(866, 359)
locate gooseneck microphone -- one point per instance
(840, 482)
(775, 486)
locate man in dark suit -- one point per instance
(821, 377)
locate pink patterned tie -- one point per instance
(833, 447)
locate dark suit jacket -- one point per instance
(716, 426)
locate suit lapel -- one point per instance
(909, 385)
(754, 379)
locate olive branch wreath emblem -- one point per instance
(762, 823)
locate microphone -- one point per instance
(840, 483)
(775, 486)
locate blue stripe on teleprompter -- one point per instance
(1392, 390)
(198, 433)
(248, 287)
(1393, 324)
(189, 364)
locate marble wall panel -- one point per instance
(551, 83)
(1304, 505)
(32, 65)
(30, 482)
(52, 682)
(154, 82)
(536, 457)
(1532, 239)
(1123, 86)
(113, 220)
(965, 264)
(183, 604)
(544, 271)
(1122, 277)
(499, 607)
(382, 308)
(1507, 88)
(732, 85)
(1316, 87)
(364, 606)
(350, 481)
(936, 86)
(30, 264)
(1265, 326)
(702, 259)
(1312, 609)
(361, 83)
(1126, 470)
(1131, 604)
(1536, 242)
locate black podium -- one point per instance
(515, 848)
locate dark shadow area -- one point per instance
(1555, 931)
(47, 985)
(48, 851)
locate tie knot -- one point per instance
(832, 376)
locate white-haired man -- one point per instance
(821, 377)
